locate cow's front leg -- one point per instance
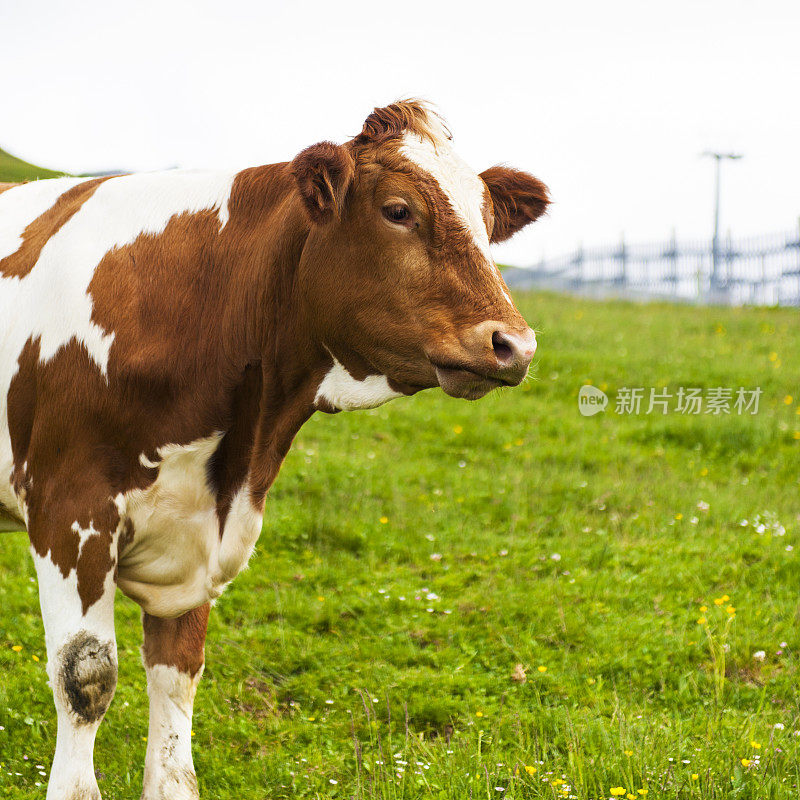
(173, 655)
(75, 565)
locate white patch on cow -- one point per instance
(168, 767)
(341, 390)
(52, 302)
(242, 529)
(457, 180)
(72, 772)
(146, 462)
(177, 559)
(84, 534)
(23, 204)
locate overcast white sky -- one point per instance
(610, 103)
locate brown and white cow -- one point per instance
(164, 338)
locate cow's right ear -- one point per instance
(323, 173)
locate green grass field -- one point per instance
(14, 170)
(498, 599)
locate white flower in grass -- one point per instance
(759, 655)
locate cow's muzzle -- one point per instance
(491, 355)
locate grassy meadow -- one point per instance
(14, 170)
(502, 599)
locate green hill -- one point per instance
(13, 170)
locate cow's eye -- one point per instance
(397, 213)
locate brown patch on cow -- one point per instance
(59, 474)
(94, 564)
(21, 401)
(228, 467)
(87, 675)
(178, 642)
(126, 535)
(4, 187)
(41, 229)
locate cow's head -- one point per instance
(396, 271)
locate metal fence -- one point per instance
(759, 270)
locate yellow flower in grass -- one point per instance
(755, 745)
(695, 776)
(530, 770)
(617, 791)
(788, 400)
(630, 796)
(731, 610)
(703, 609)
(383, 520)
(720, 601)
(457, 429)
(745, 762)
(628, 753)
(702, 621)
(642, 792)
(16, 648)
(542, 668)
(679, 516)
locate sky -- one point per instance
(610, 103)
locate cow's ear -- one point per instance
(323, 173)
(517, 197)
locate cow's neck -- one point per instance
(267, 322)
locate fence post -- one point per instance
(579, 264)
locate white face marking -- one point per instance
(341, 390)
(459, 183)
(168, 767)
(177, 560)
(52, 301)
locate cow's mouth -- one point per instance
(463, 382)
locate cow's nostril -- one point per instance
(503, 350)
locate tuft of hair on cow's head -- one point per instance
(323, 173)
(401, 117)
(517, 199)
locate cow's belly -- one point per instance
(177, 559)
